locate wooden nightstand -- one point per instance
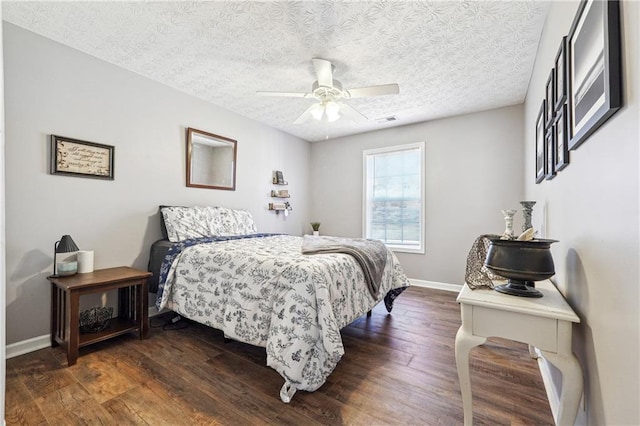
(133, 310)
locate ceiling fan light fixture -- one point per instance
(317, 111)
(325, 111)
(328, 91)
(332, 110)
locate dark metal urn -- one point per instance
(522, 263)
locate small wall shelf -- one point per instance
(279, 207)
(281, 194)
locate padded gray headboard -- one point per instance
(157, 253)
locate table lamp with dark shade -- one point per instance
(64, 245)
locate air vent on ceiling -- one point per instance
(387, 119)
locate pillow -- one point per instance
(235, 222)
(163, 226)
(184, 223)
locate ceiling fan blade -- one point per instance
(324, 71)
(285, 94)
(384, 89)
(350, 113)
(305, 115)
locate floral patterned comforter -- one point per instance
(265, 292)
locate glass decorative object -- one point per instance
(508, 221)
(95, 319)
(527, 208)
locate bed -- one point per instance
(288, 294)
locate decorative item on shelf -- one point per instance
(508, 220)
(527, 209)
(68, 265)
(527, 235)
(278, 178)
(316, 228)
(282, 193)
(95, 319)
(522, 263)
(278, 207)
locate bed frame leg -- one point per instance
(369, 313)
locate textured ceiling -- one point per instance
(449, 57)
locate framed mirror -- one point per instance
(211, 160)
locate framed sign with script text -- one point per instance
(73, 157)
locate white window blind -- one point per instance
(394, 196)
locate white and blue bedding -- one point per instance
(260, 289)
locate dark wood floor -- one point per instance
(398, 369)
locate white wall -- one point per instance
(592, 209)
(473, 170)
(2, 237)
(52, 89)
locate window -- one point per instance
(394, 196)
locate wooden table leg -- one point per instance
(465, 341)
(144, 310)
(124, 303)
(532, 352)
(572, 386)
(72, 326)
(55, 306)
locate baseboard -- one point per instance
(153, 311)
(436, 285)
(29, 345)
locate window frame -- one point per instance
(396, 148)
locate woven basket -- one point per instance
(95, 319)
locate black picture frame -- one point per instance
(595, 77)
(75, 157)
(541, 148)
(561, 139)
(560, 69)
(550, 148)
(550, 98)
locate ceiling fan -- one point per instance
(329, 94)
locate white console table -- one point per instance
(544, 323)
